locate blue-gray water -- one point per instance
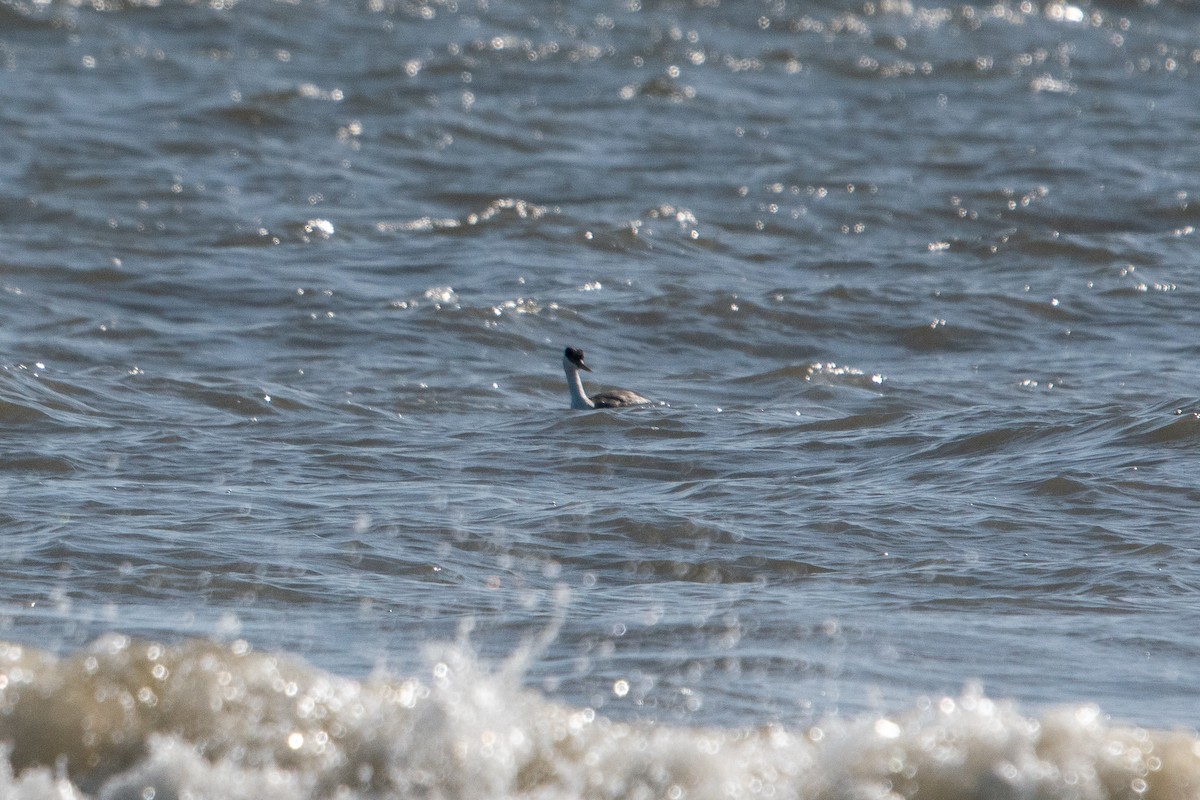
(285, 291)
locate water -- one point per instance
(293, 502)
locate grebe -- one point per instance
(617, 398)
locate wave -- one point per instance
(128, 718)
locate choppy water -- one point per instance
(292, 501)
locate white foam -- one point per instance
(138, 720)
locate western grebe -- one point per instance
(617, 398)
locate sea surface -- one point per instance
(292, 503)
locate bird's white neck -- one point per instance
(579, 398)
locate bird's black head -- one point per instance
(575, 356)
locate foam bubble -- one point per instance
(133, 719)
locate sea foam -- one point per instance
(134, 719)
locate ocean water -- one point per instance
(292, 502)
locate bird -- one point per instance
(616, 398)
